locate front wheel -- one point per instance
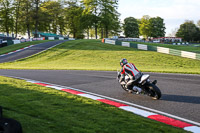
(154, 91)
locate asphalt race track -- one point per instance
(180, 93)
(30, 51)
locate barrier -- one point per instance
(164, 50)
(142, 47)
(16, 41)
(110, 41)
(175, 52)
(188, 54)
(152, 48)
(126, 44)
(51, 38)
(61, 38)
(71, 38)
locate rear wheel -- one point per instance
(124, 88)
(154, 91)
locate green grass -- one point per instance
(45, 110)
(94, 55)
(14, 47)
(190, 48)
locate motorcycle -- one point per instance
(144, 84)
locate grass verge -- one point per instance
(14, 47)
(94, 55)
(45, 110)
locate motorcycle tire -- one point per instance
(124, 88)
(155, 92)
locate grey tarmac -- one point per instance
(180, 92)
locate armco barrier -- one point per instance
(142, 47)
(198, 56)
(152, 48)
(126, 44)
(118, 43)
(133, 45)
(164, 50)
(51, 38)
(188, 54)
(175, 52)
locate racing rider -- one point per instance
(133, 73)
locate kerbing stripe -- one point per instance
(72, 91)
(30, 81)
(150, 115)
(55, 87)
(17, 50)
(42, 84)
(193, 129)
(90, 96)
(137, 111)
(111, 102)
(169, 121)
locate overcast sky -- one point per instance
(174, 12)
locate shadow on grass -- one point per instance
(183, 99)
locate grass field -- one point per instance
(45, 110)
(190, 48)
(94, 55)
(14, 47)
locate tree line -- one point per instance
(64, 17)
(155, 27)
(189, 31)
(146, 26)
(82, 18)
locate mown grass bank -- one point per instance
(14, 47)
(45, 110)
(94, 55)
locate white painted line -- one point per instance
(31, 81)
(193, 129)
(55, 87)
(137, 111)
(90, 96)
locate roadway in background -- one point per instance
(30, 51)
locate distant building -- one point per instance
(167, 39)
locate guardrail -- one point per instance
(170, 51)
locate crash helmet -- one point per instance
(123, 62)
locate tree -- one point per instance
(52, 16)
(109, 17)
(131, 27)
(36, 16)
(92, 9)
(144, 26)
(157, 27)
(73, 15)
(103, 15)
(26, 19)
(198, 23)
(17, 5)
(6, 16)
(188, 31)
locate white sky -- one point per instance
(174, 12)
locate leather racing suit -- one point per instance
(133, 73)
